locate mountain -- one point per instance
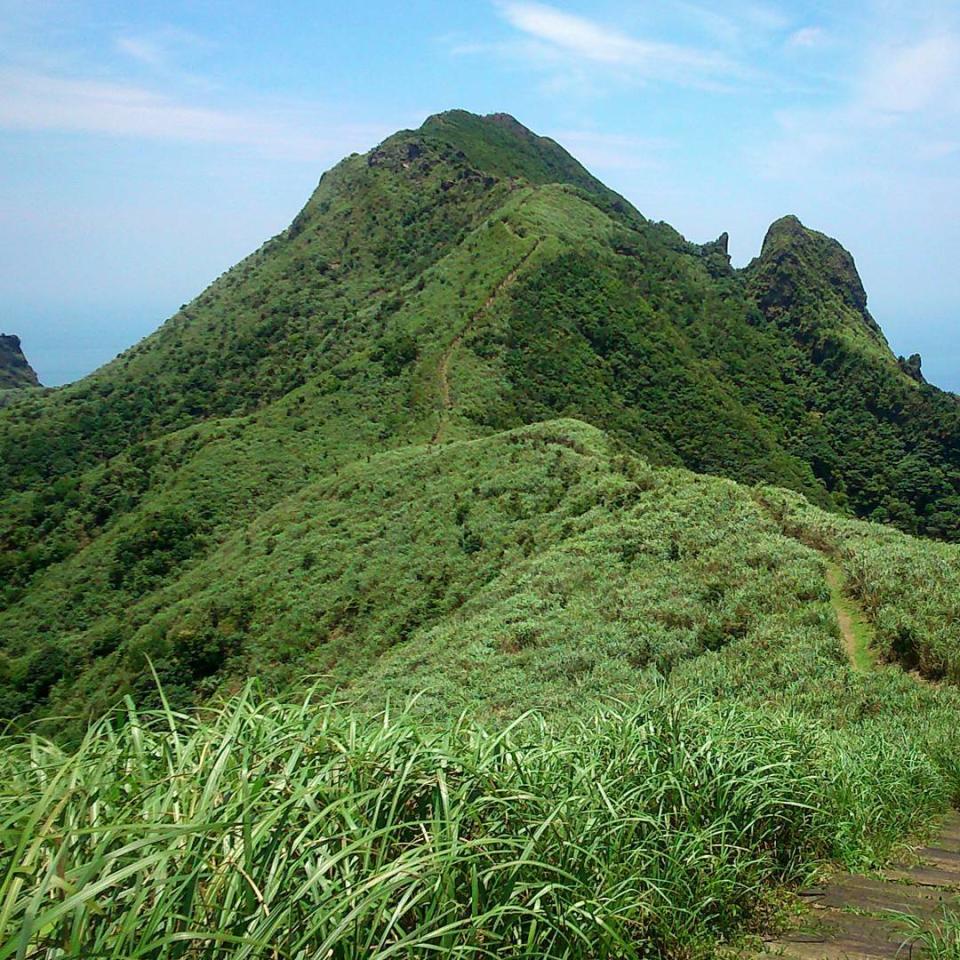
(501, 557)
(231, 496)
(15, 372)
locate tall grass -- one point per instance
(269, 829)
(939, 941)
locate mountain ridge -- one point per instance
(473, 569)
(383, 318)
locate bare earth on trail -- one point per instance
(443, 382)
(854, 629)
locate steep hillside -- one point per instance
(456, 283)
(876, 434)
(372, 606)
(545, 564)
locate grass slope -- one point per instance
(857, 635)
(424, 454)
(657, 825)
(546, 566)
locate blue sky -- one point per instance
(145, 147)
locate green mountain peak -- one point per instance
(453, 286)
(798, 266)
(473, 439)
(500, 145)
(788, 237)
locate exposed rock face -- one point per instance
(14, 370)
(911, 367)
(837, 264)
(395, 155)
(717, 255)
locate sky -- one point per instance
(147, 146)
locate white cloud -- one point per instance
(938, 149)
(898, 119)
(911, 77)
(738, 24)
(584, 40)
(31, 100)
(807, 38)
(160, 47)
(142, 49)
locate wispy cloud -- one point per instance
(736, 24)
(807, 38)
(910, 77)
(143, 50)
(902, 106)
(579, 40)
(939, 149)
(31, 100)
(160, 48)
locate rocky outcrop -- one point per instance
(798, 266)
(15, 372)
(717, 255)
(911, 367)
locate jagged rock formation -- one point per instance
(911, 366)
(716, 253)
(798, 263)
(15, 371)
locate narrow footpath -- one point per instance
(443, 368)
(858, 917)
(854, 629)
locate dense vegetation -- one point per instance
(298, 829)
(431, 447)
(547, 560)
(304, 828)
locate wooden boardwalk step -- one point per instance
(925, 876)
(855, 917)
(836, 934)
(884, 896)
(945, 859)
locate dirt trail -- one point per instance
(863, 918)
(843, 616)
(856, 917)
(443, 380)
(854, 629)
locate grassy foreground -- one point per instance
(269, 829)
